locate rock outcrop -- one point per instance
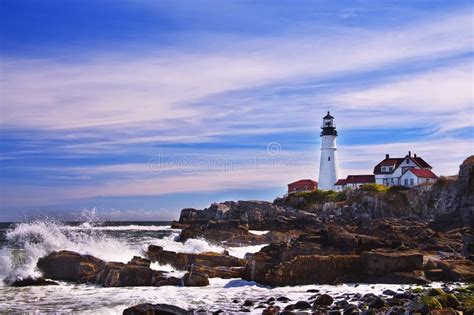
(182, 260)
(231, 221)
(269, 267)
(155, 309)
(74, 267)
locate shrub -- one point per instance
(398, 188)
(373, 187)
(444, 181)
(320, 196)
(431, 302)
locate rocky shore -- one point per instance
(436, 301)
(393, 236)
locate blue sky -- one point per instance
(141, 108)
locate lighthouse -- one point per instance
(328, 162)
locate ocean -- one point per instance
(21, 244)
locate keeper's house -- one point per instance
(406, 171)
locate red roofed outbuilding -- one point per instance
(302, 185)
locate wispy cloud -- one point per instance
(79, 128)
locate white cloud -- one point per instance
(446, 89)
(159, 90)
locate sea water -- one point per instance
(21, 244)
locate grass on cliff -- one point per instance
(374, 188)
(319, 196)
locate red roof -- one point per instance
(423, 173)
(395, 162)
(340, 182)
(360, 179)
(388, 162)
(303, 182)
(421, 162)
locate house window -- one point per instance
(406, 181)
(412, 181)
(329, 158)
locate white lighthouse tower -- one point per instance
(328, 162)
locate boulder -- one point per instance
(458, 270)
(323, 300)
(195, 279)
(312, 269)
(413, 277)
(70, 266)
(218, 272)
(32, 282)
(182, 260)
(132, 275)
(271, 310)
(277, 264)
(380, 263)
(155, 309)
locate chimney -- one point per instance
(414, 155)
(409, 153)
(387, 156)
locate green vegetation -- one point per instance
(431, 302)
(444, 181)
(374, 188)
(417, 290)
(319, 196)
(465, 296)
(398, 188)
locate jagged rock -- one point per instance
(230, 221)
(379, 263)
(70, 266)
(136, 275)
(271, 310)
(270, 266)
(195, 279)
(378, 303)
(458, 270)
(140, 261)
(218, 272)
(302, 305)
(150, 309)
(312, 269)
(32, 282)
(414, 277)
(453, 201)
(323, 300)
(182, 260)
(389, 292)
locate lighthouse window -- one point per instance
(329, 158)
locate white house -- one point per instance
(390, 170)
(415, 176)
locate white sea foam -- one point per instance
(256, 232)
(241, 251)
(38, 238)
(88, 226)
